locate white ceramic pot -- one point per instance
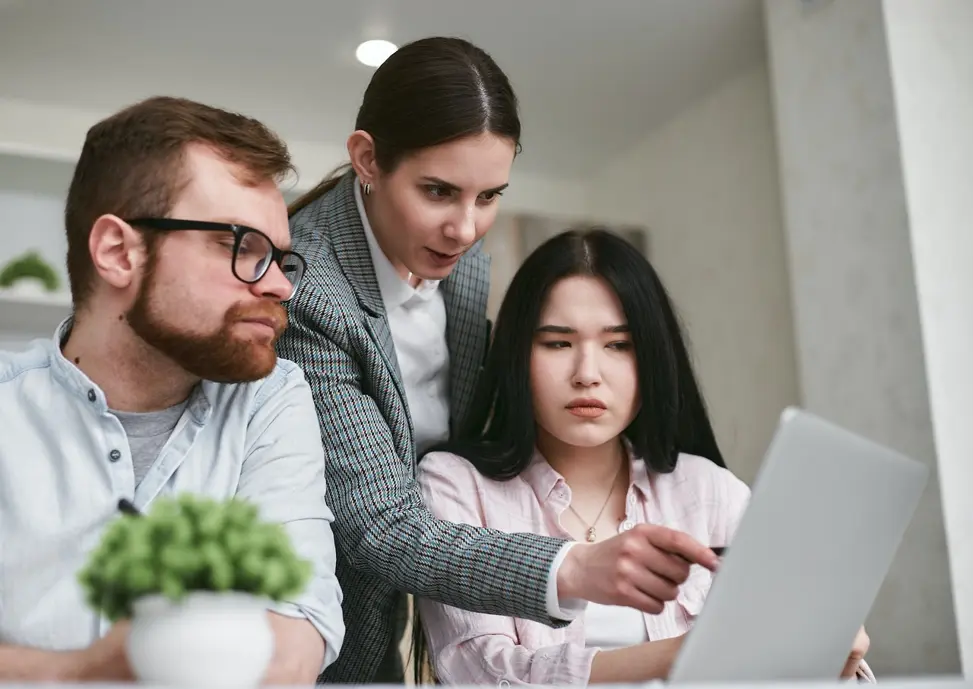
(208, 639)
(27, 287)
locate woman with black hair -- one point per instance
(586, 422)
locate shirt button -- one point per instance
(91, 396)
(626, 525)
(114, 455)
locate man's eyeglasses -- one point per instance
(253, 252)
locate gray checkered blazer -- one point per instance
(387, 542)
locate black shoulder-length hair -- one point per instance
(498, 433)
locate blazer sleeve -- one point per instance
(382, 525)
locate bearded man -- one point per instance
(163, 381)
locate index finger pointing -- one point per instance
(686, 547)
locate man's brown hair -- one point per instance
(132, 165)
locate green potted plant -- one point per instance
(195, 577)
(29, 273)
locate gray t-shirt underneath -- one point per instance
(147, 434)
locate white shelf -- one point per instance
(32, 315)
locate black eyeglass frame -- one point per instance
(239, 232)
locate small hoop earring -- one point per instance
(367, 188)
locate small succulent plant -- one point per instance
(29, 265)
(187, 544)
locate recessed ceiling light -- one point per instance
(374, 53)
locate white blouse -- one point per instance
(611, 626)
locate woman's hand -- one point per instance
(858, 650)
(635, 664)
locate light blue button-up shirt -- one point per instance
(65, 463)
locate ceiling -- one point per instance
(593, 76)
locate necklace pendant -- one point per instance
(591, 534)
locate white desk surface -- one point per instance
(939, 682)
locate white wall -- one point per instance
(32, 196)
(31, 218)
(502, 243)
(859, 341)
(706, 187)
(931, 55)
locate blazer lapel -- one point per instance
(340, 214)
(465, 294)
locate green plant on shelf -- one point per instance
(188, 544)
(29, 266)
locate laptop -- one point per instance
(827, 513)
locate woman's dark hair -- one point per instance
(498, 434)
(427, 93)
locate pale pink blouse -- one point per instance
(699, 498)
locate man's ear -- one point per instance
(361, 151)
(117, 251)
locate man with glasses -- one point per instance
(165, 380)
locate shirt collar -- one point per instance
(395, 291)
(69, 375)
(543, 479)
(75, 380)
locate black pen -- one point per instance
(717, 550)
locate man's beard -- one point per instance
(222, 356)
